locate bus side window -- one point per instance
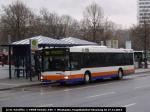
(75, 61)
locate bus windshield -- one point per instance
(56, 60)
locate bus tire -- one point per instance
(120, 74)
(87, 78)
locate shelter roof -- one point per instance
(77, 41)
(41, 40)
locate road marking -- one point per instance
(66, 90)
(94, 86)
(7, 84)
(141, 78)
(89, 86)
(4, 99)
(145, 86)
(11, 94)
(46, 105)
(129, 105)
(2, 92)
(109, 93)
(86, 87)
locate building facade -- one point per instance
(143, 11)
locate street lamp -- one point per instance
(145, 46)
(145, 40)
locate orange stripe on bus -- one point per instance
(104, 73)
(76, 76)
(61, 77)
(53, 77)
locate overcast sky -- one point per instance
(123, 12)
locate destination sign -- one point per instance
(55, 52)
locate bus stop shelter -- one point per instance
(20, 52)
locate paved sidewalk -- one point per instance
(6, 83)
(4, 71)
(142, 70)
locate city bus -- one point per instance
(138, 59)
(85, 64)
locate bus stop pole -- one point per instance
(9, 61)
(30, 66)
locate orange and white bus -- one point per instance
(86, 63)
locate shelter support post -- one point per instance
(30, 73)
(9, 62)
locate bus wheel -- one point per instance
(87, 78)
(120, 74)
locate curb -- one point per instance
(142, 72)
(27, 85)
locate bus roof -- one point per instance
(138, 51)
(99, 49)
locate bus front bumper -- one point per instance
(65, 79)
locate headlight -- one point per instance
(41, 77)
(66, 77)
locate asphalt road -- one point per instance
(132, 92)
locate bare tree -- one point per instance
(69, 26)
(58, 26)
(145, 26)
(93, 14)
(50, 22)
(19, 22)
(35, 28)
(109, 30)
(137, 40)
(141, 34)
(15, 20)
